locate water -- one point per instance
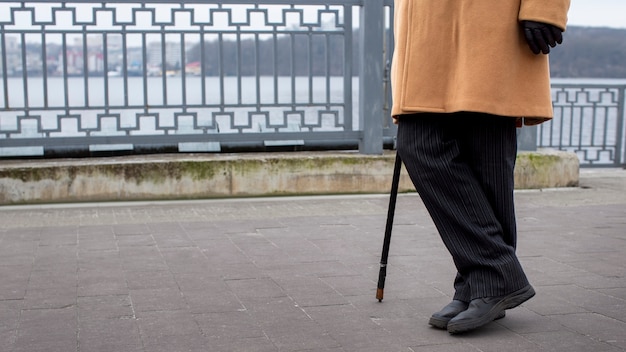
(232, 91)
(311, 102)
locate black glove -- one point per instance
(541, 36)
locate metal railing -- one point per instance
(589, 121)
(96, 77)
(194, 76)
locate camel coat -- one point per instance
(471, 55)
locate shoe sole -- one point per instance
(443, 323)
(439, 322)
(510, 301)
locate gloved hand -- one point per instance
(541, 36)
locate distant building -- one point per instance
(193, 68)
(13, 56)
(173, 54)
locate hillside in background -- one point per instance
(589, 52)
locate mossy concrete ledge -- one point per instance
(189, 176)
(546, 169)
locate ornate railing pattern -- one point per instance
(195, 75)
(589, 120)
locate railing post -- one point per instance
(527, 138)
(620, 152)
(371, 76)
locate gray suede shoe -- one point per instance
(482, 311)
(441, 318)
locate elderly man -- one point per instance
(465, 74)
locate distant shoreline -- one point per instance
(589, 80)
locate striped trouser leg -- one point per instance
(462, 166)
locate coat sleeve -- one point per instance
(553, 12)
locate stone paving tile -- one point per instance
(212, 301)
(105, 307)
(142, 258)
(496, 338)
(157, 299)
(47, 330)
(131, 240)
(114, 344)
(9, 322)
(153, 279)
(94, 283)
(448, 347)
(352, 328)
(524, 320)
(228, 326)
(349, 285)
(565, 340)
(14, 281)
(167, 323)
(208, 281)
(309, 292)
(52, 345)
(109, 334)
(601, 327)
(177, 343)
(50, 298)
(131, 229)
(256, 288)
(298, 274)
(617, 292)
(185, 260)
(172, 239)
(255, 344)
(221, 251)
(55, 276)
(105, 259)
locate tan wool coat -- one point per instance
(471, 55)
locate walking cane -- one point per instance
(382, 274)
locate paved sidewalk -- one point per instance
(299, 274)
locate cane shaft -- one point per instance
(382, 274)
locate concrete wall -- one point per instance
(185, 176)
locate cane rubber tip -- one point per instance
(379, 294)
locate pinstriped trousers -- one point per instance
(462, 166)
